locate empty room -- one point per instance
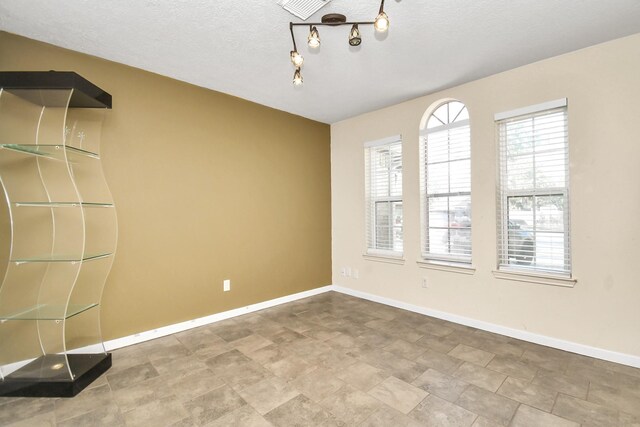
(319, 213)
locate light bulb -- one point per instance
(297, 78)
(354, 36)
(382, 22)
(314, 38)
(296, 59)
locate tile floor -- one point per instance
(335, 360)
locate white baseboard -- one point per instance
(599, 353)
(190, 324)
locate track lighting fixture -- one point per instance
(354, 36)
(296, 59)
(297, 78)
(314, 38)
(381, 24)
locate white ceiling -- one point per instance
(242, 47)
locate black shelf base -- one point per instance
(40, 378)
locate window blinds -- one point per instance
(446, 185)
(383, 169)
(533, 204)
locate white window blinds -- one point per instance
(383, 194)
(533, 190)
(445, 182)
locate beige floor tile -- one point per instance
(388, 417)
(439, 361)
(435, 329)
(159, 412)
(399, 367)
(623, 399)
(546, 358)
(485, 422)
(88, 400)
(442, 385)
(530, 394)
(482, 377)
(436, 412)
(199, 339)
(405, 349)
(188, 363)
(24, 408)
(441, 344)
(471, 354)
(487, 404)
(301, 411)
(350, 405)
(584, 412)
(269, 354)
(628, 420)
(106, 415)
(186, 386)
(230, 331)
(318, 384)
(245, 416)
(268, 394)
(576, 387)
(527, 416)
(321, 333)
(374, 338)
(290, 368)
(47, 419)
(363, 376)
(213, 405)
(250, 343)
(137, 395)
(513, 367)
(398, 394)
(131, 376)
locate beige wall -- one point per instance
(207, 187)
(602, 84)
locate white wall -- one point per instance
(602, 84)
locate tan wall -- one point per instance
(602, 84)
(207, 187)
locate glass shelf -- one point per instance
(61, 258)
(48, 312)
(56, 152)
(63, 204)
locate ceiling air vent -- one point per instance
(302, 8)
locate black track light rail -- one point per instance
(381, 23)
(316, 24)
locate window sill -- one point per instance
(445, 266)
(389, 259)
(565, 282)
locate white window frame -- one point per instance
(506, 270)
(458, 264)
(371, 201)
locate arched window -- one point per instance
(445, 184)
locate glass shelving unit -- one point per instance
(61, 232)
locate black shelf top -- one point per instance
(85, 94)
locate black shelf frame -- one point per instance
(85, 94)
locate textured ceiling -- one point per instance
(242, 47)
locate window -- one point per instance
(383, 169)
(445, 184)
(533, 191)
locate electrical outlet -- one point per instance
(226, 286)
(425, 284)
(348, 271)
(343, 272)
